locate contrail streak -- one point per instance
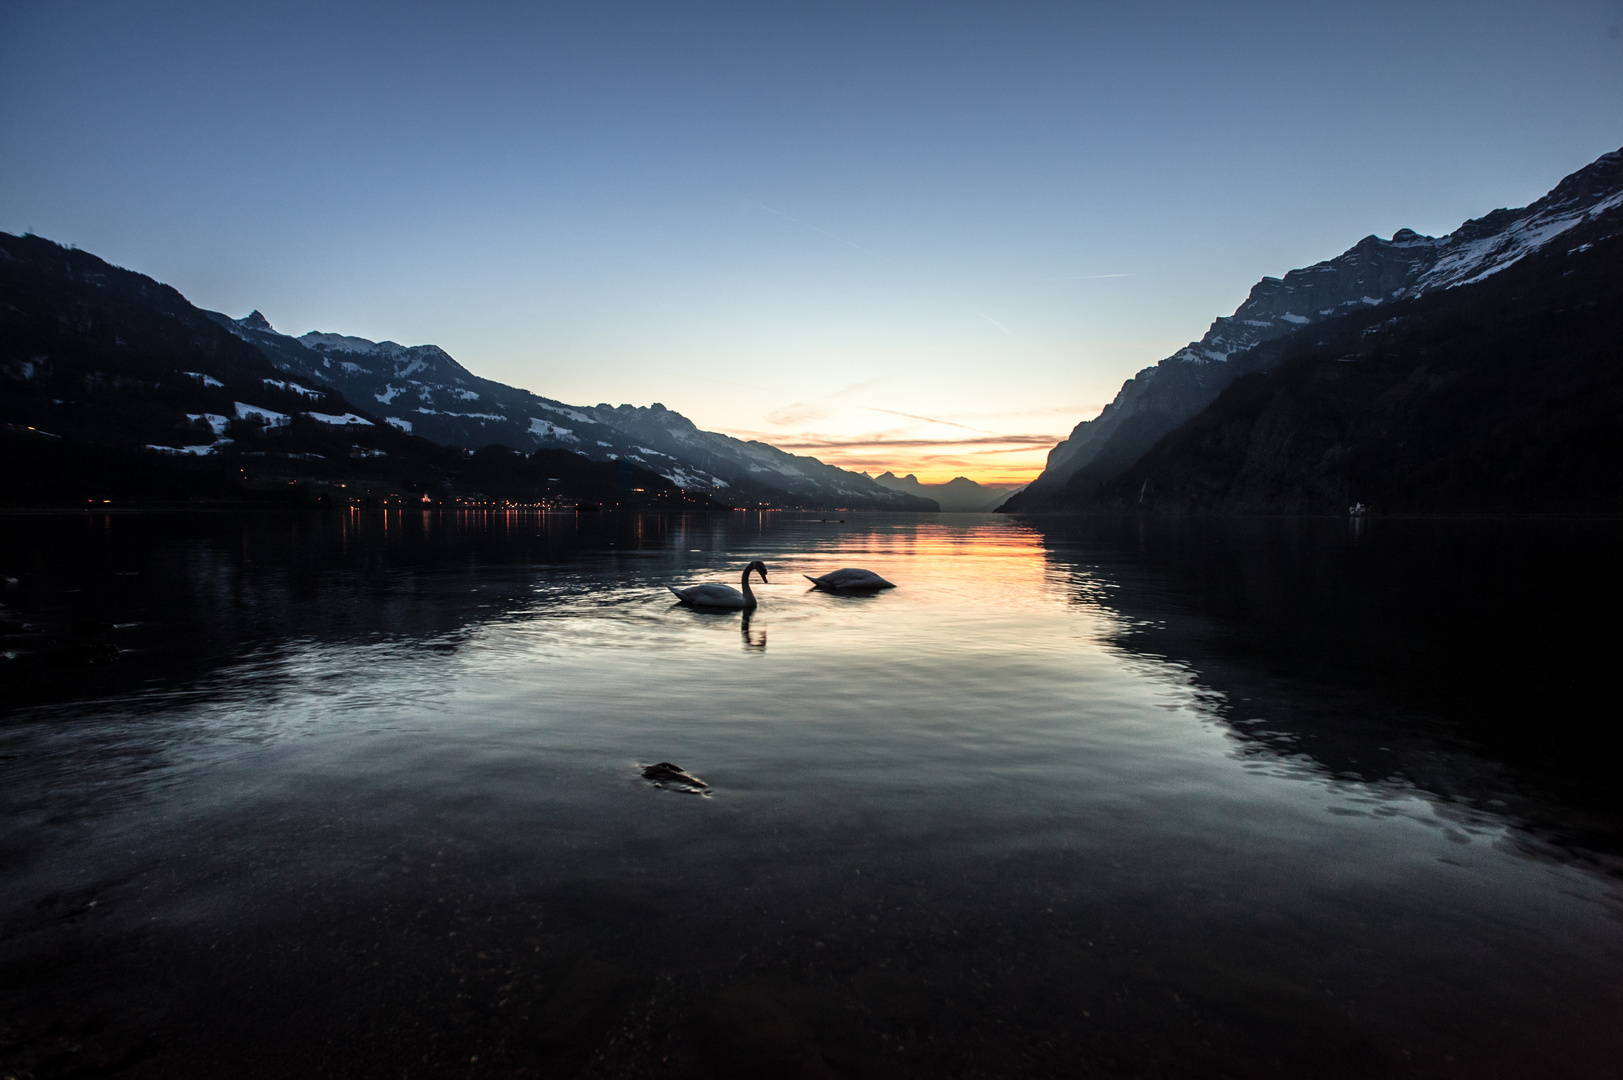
(1092, 277)
(1001, 327)
(930, 420)
(825, 232)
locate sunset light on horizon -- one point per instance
(923, 240)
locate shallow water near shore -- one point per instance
(360, 795)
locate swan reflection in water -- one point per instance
(754, 640)
(714, 601)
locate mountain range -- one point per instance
(422, 390)
(114, 389)
(113, 385)
(958, 495)
(1474, 372)
(1419, 329)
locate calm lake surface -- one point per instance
(360, 795)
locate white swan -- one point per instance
(850, 579)
(722, 596)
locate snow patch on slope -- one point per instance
(268, 417)
(293, 386)
(216, 422)
(1484, 256)
(194, 451)
(546, 429)
(573, 414)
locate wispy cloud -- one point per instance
(797, 413)
(859, 387)
(1048, 410)
(1092, 277)
(935, 462)
(814, 442)
(1046, 440)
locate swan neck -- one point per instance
(749, 595)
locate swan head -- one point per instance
(757, 566)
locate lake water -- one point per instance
(360, 795)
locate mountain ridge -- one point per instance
(114, 387)
(1498, 398)
(423, 390)
(1372, 273)
(958, 495)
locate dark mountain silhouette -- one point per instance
(1500, 397)
(423, 390)
(114, 387)
(1367, 287)
(960, 494)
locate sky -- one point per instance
(924, 237)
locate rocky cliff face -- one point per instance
(421, 389)
(1372, 273)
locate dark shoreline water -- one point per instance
(1087, 797)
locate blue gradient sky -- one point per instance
(832, 225)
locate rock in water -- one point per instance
(81, 655)
(665, 773)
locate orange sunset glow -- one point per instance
(1014, 460)
(991, 448)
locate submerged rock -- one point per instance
(664, 774)
(762, 1029)
(583, 1012)
(81, 655)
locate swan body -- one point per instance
(851, 579)
(722, 596)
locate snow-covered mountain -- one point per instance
(1371, 273)
(422, 390)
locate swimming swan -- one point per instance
(850, 579)
(722, 596)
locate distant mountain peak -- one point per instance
(256, 320)
(1596, 182)
(959, 493)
